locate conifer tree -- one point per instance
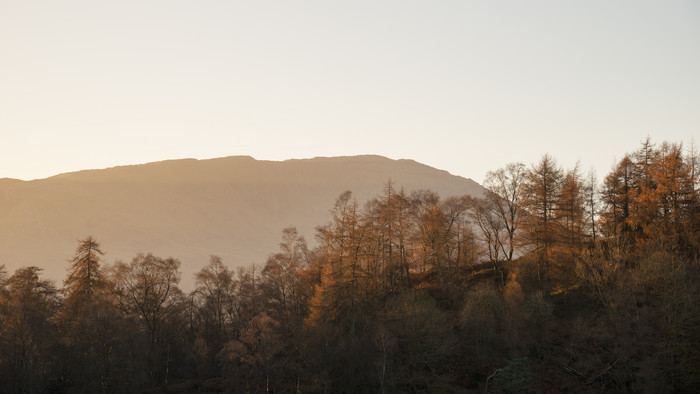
(542, 190)
(84, 277)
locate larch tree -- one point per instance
(542, 189)
(85, 275)
(570, 226)
(650, 198)
(675, 195)
(591, 203)
(693, 226)
(89, 322)
(617, 199)
(341, 242)
(389, 219)
(428, 221)
(571, 210)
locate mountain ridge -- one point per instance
(235, 207)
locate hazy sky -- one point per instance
(463, 86)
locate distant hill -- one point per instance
(235, 207)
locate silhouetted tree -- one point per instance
(147, 288)
(215, 299)
(492, 229)
(84, 276)
(27, 334)
(92, 327)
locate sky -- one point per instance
(463, 86)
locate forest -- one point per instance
(550, 282)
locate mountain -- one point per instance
(235, 207)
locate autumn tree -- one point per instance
(441, 237)
(676, 199)
(650, 197)
(570, 213)
(341, 243)
(542, 189)
(85, 275)
(693, 225)
(617, 196)
(388, 218)
(591, 204)
(3, 279)
(428, 236)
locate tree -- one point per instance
(424, 341)
(570, 213)
(505, 193)
(259, 345)
(440, 237)
(341, 242)
(617, 197)
(285, 294)
(248, 294)
(459, 241)
(3, 278)
(428, 239)
(27, 334)
(591, 203)
(650, 197)
(84, 277)
(674, 195)
(147, 288)
(693, 226)
(485, 215)
(542, 188)
(214, 294)
(91, 325)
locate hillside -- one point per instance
(234, 207)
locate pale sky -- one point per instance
(464, 86)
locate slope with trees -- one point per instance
(549, 282)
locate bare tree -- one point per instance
(505, 193)
(492, 230)
(147, 288)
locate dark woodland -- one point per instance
(550, 282)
